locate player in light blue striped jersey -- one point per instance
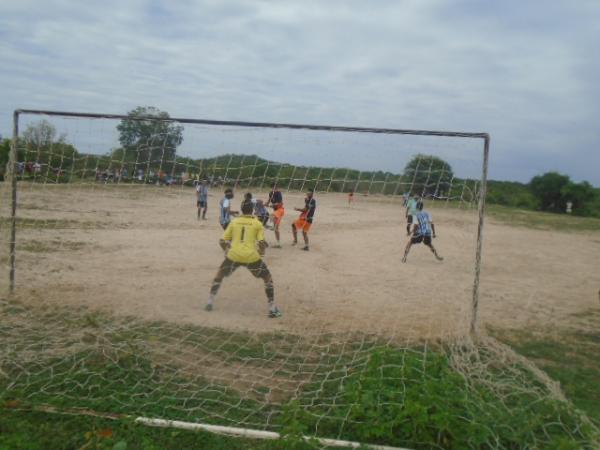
(423, 231)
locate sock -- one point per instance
(211, 299)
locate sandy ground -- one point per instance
(140, 251)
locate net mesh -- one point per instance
(114, 268)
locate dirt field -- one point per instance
(140, 251)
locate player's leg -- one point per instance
(406, 250)
(205, 207)
(409, 220)
(199, 209)
(428, 242)
(260, 270)
(277, 215)
(412, 240)
(227, 268)
(277, 236)
(305, 228)
(295, 234)
(305, 236)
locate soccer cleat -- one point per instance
(305, 248)
(274, 314)
(208, 307)
(278, 245)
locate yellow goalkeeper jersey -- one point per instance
(244, 232)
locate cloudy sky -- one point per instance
(527, 72)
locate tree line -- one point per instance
(148, 153)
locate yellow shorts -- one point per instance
(302, 224)
(278, 215)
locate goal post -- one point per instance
(484, 137)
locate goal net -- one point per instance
(107, 265)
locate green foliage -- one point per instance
(554, 190)
(4, 156)
(570, 357)
(150, 140)
(22, 429)
(414, 398)
(510, 193)
(429, 174)
(581, 195)
(547, 189)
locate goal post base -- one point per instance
(253, 434)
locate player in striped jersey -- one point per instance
(423, 231)
(244, 244)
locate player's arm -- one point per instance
(225, 241)
(433, 229)
(233, 213)
(225, 245)
(262, 246)
(260, 240)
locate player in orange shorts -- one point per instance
(305, 220)
(276, 201)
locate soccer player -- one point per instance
(248, 198)
(261, 213)
(305, 220)
(244, 244)
(423, 231)
(350, 197)
(276, 201)
(202, 200)
(226, 212)
(411, 212)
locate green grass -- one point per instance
(541, 220)
(22, 429)
(570, 357)
(358, 388)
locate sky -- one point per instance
(526, 72)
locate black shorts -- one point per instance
(201, 204)
(258, 268)
(417, 239)
(409, 219)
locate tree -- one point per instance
(41, 134)
(150, 142)
(4, 156)
(39, 144)
(580, 195)
(428, 175)
(547, 188)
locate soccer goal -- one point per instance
(109, 249)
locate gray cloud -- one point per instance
(524, 72)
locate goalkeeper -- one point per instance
(244, 244)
